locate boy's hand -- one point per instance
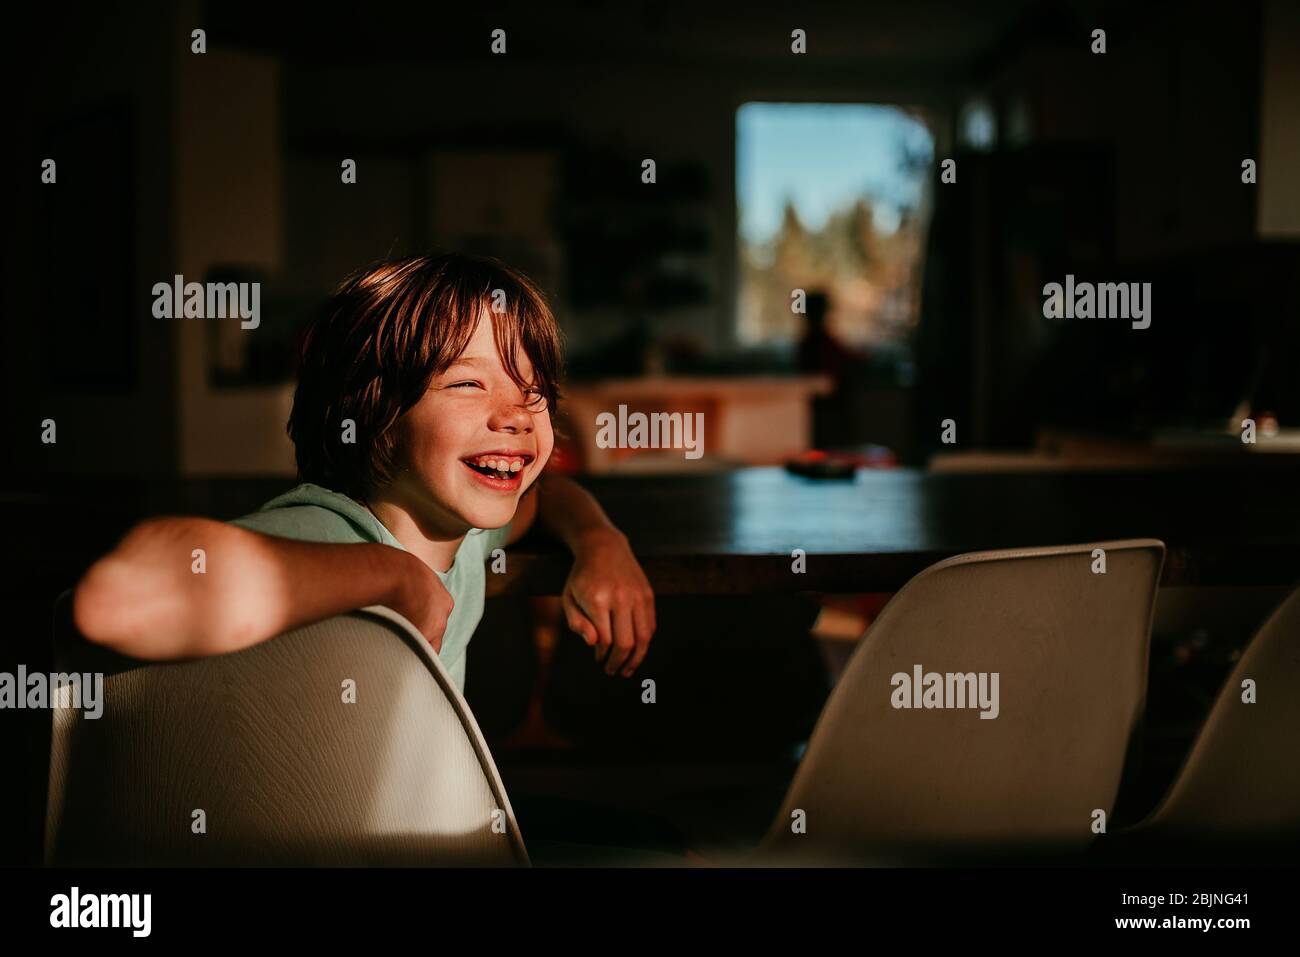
(608, 600)
(423, 599)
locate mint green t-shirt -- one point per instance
(312, 513)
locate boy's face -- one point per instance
(474, 419)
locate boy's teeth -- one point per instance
(503, 467)
(500, 464)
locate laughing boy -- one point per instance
(421, 425)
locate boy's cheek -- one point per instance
(532, 482)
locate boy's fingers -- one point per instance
(580, 621)
(599, 618)
(643, 619)
(577, 620)
(624, 640)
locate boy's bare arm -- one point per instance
(146, 598)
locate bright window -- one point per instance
(831, 197)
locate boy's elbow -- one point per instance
(100, 612)
(108, 609)
(121, 596)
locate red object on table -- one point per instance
(822, 463)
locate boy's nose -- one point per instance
(513, 417)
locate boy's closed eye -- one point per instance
(534, 394)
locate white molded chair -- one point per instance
(1241, 779)
(880, 783)
(284, 771)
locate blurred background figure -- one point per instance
(819, 351)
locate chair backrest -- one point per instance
(1069, 647)
(1241, 778)
(340, 743)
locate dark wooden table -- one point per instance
(733, 533)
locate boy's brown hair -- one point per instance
(383, 335)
